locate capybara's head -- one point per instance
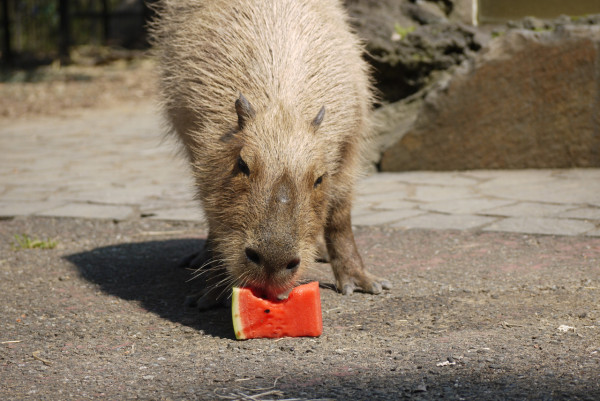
(271, 205)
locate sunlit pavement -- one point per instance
(116, 164)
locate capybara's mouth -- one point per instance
(269, 278)
(271, 290)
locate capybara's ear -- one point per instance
(318, 119)
(244, 111)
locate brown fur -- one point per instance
(258, 162)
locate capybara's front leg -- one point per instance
(345, 260)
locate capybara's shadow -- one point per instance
(149, 272)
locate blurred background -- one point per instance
(40, 31)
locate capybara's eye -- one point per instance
(243, 166)
(318, 181)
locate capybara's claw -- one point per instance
(348, 289)
(386, 284)
(366, 282)
(206, 300)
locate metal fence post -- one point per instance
(65, 31)
(6, 47)
(105, 21)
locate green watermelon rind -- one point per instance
(235, 314)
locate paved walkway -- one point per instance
(114, 165)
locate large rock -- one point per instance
(408, 41)
(528, 99)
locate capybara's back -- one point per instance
(271, 100)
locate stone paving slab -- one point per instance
(86, 210)
(445, 221)
(530, 209)
(116, 164)
(542, 225)
(554, 202)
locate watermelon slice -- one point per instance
(297, 316)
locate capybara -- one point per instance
(271, 100)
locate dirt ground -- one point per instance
(471, 316)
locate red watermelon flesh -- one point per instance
(297, 316)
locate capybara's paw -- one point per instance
(206, 300)
(194, 260)
(363, 280)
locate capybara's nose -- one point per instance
(276, 261)
(293, 264)
(253, 256)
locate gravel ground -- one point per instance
(471, 316)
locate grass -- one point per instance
(403, 31)
(26, 242)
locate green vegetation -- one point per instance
(26, 242)
(402, 31)
(35, 24)
(542, 29)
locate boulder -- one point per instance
(529, 98)
(409, 41)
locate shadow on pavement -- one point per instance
(149, 272)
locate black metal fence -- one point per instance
(47, 29)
